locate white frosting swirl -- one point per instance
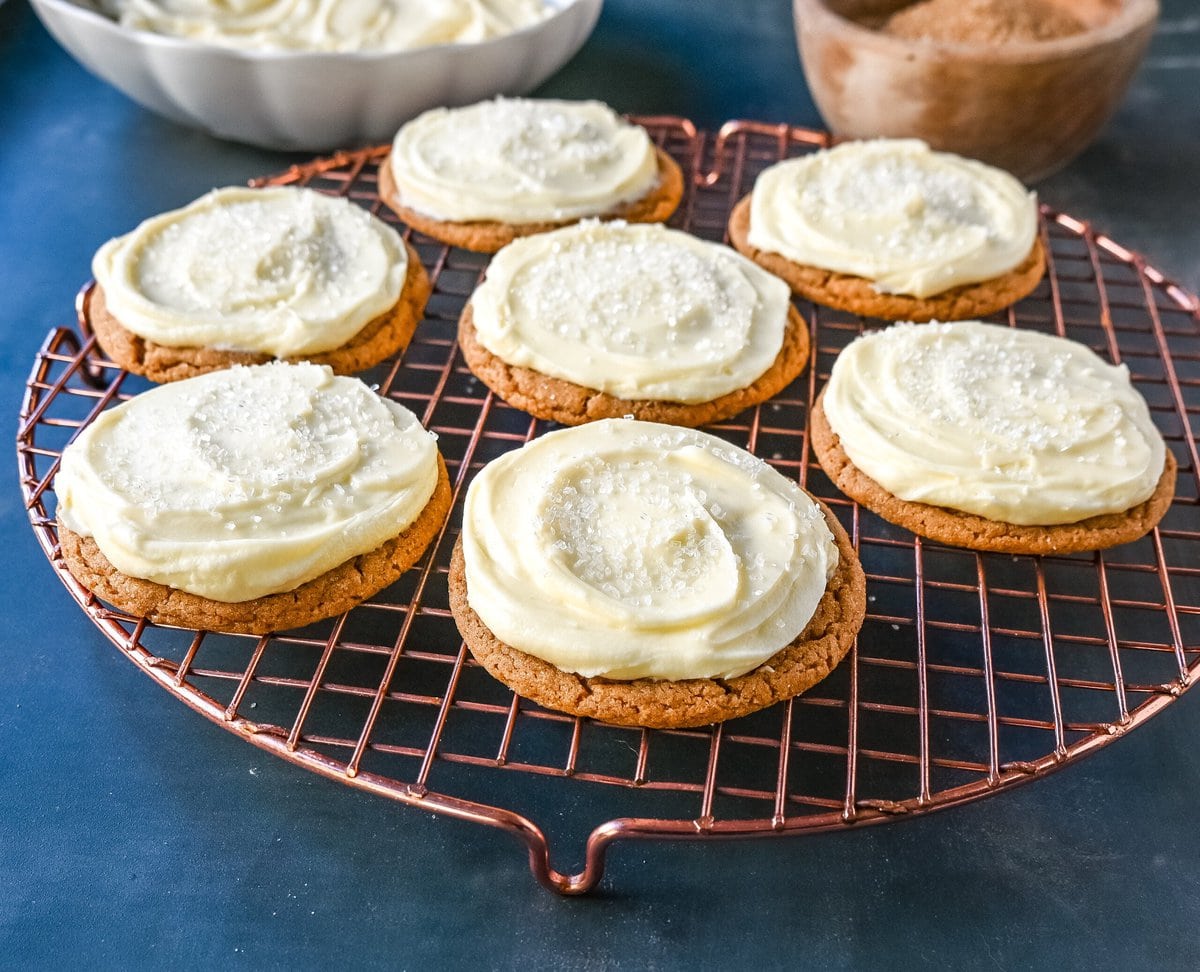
(247, 481)
(329, 25)
(285, 271)
(910, 220)
(520, 160)
(638, 311)
(630, 549)
(1011, 425)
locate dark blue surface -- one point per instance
(135, 833)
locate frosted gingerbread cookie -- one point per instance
(889, 228)
(603, 320)
(250, 499)
(993, 438)
(650, 575)
(481, 176)
(244, 276)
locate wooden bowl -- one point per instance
(1028, 107)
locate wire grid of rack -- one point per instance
(973, 672)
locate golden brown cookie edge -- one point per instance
(378, 339)
(958, 529)
(858, 295)
(489, 236)
(658, 704)
(333, 592)
(559, 400)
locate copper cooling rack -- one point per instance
(973, 672)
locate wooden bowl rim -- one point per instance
(1133, 17)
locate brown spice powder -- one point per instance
(982, 21)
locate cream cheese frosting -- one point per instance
(285, 271)
(247, 481)
(1011, 425)
(911, 220)
(635, 310)
(629, 549)
(521, 160)
(330, 25)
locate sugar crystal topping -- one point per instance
(638, 311)
(1012, 425)
(910, 220)
(284, 270)
(521, 160)
(906, 208)
(678, 549)
(247, 481)
(629, 550)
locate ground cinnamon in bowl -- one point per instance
(982, 21)
(1023, 85)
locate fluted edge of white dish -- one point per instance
(311, 100)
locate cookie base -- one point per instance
(559, 400)
(488, 236)
(659, 704)
(858, 295)
(958, 529)
(331, 593)
(378, 339)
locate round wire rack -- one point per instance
(973, 672)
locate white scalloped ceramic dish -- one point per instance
(311, 100)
